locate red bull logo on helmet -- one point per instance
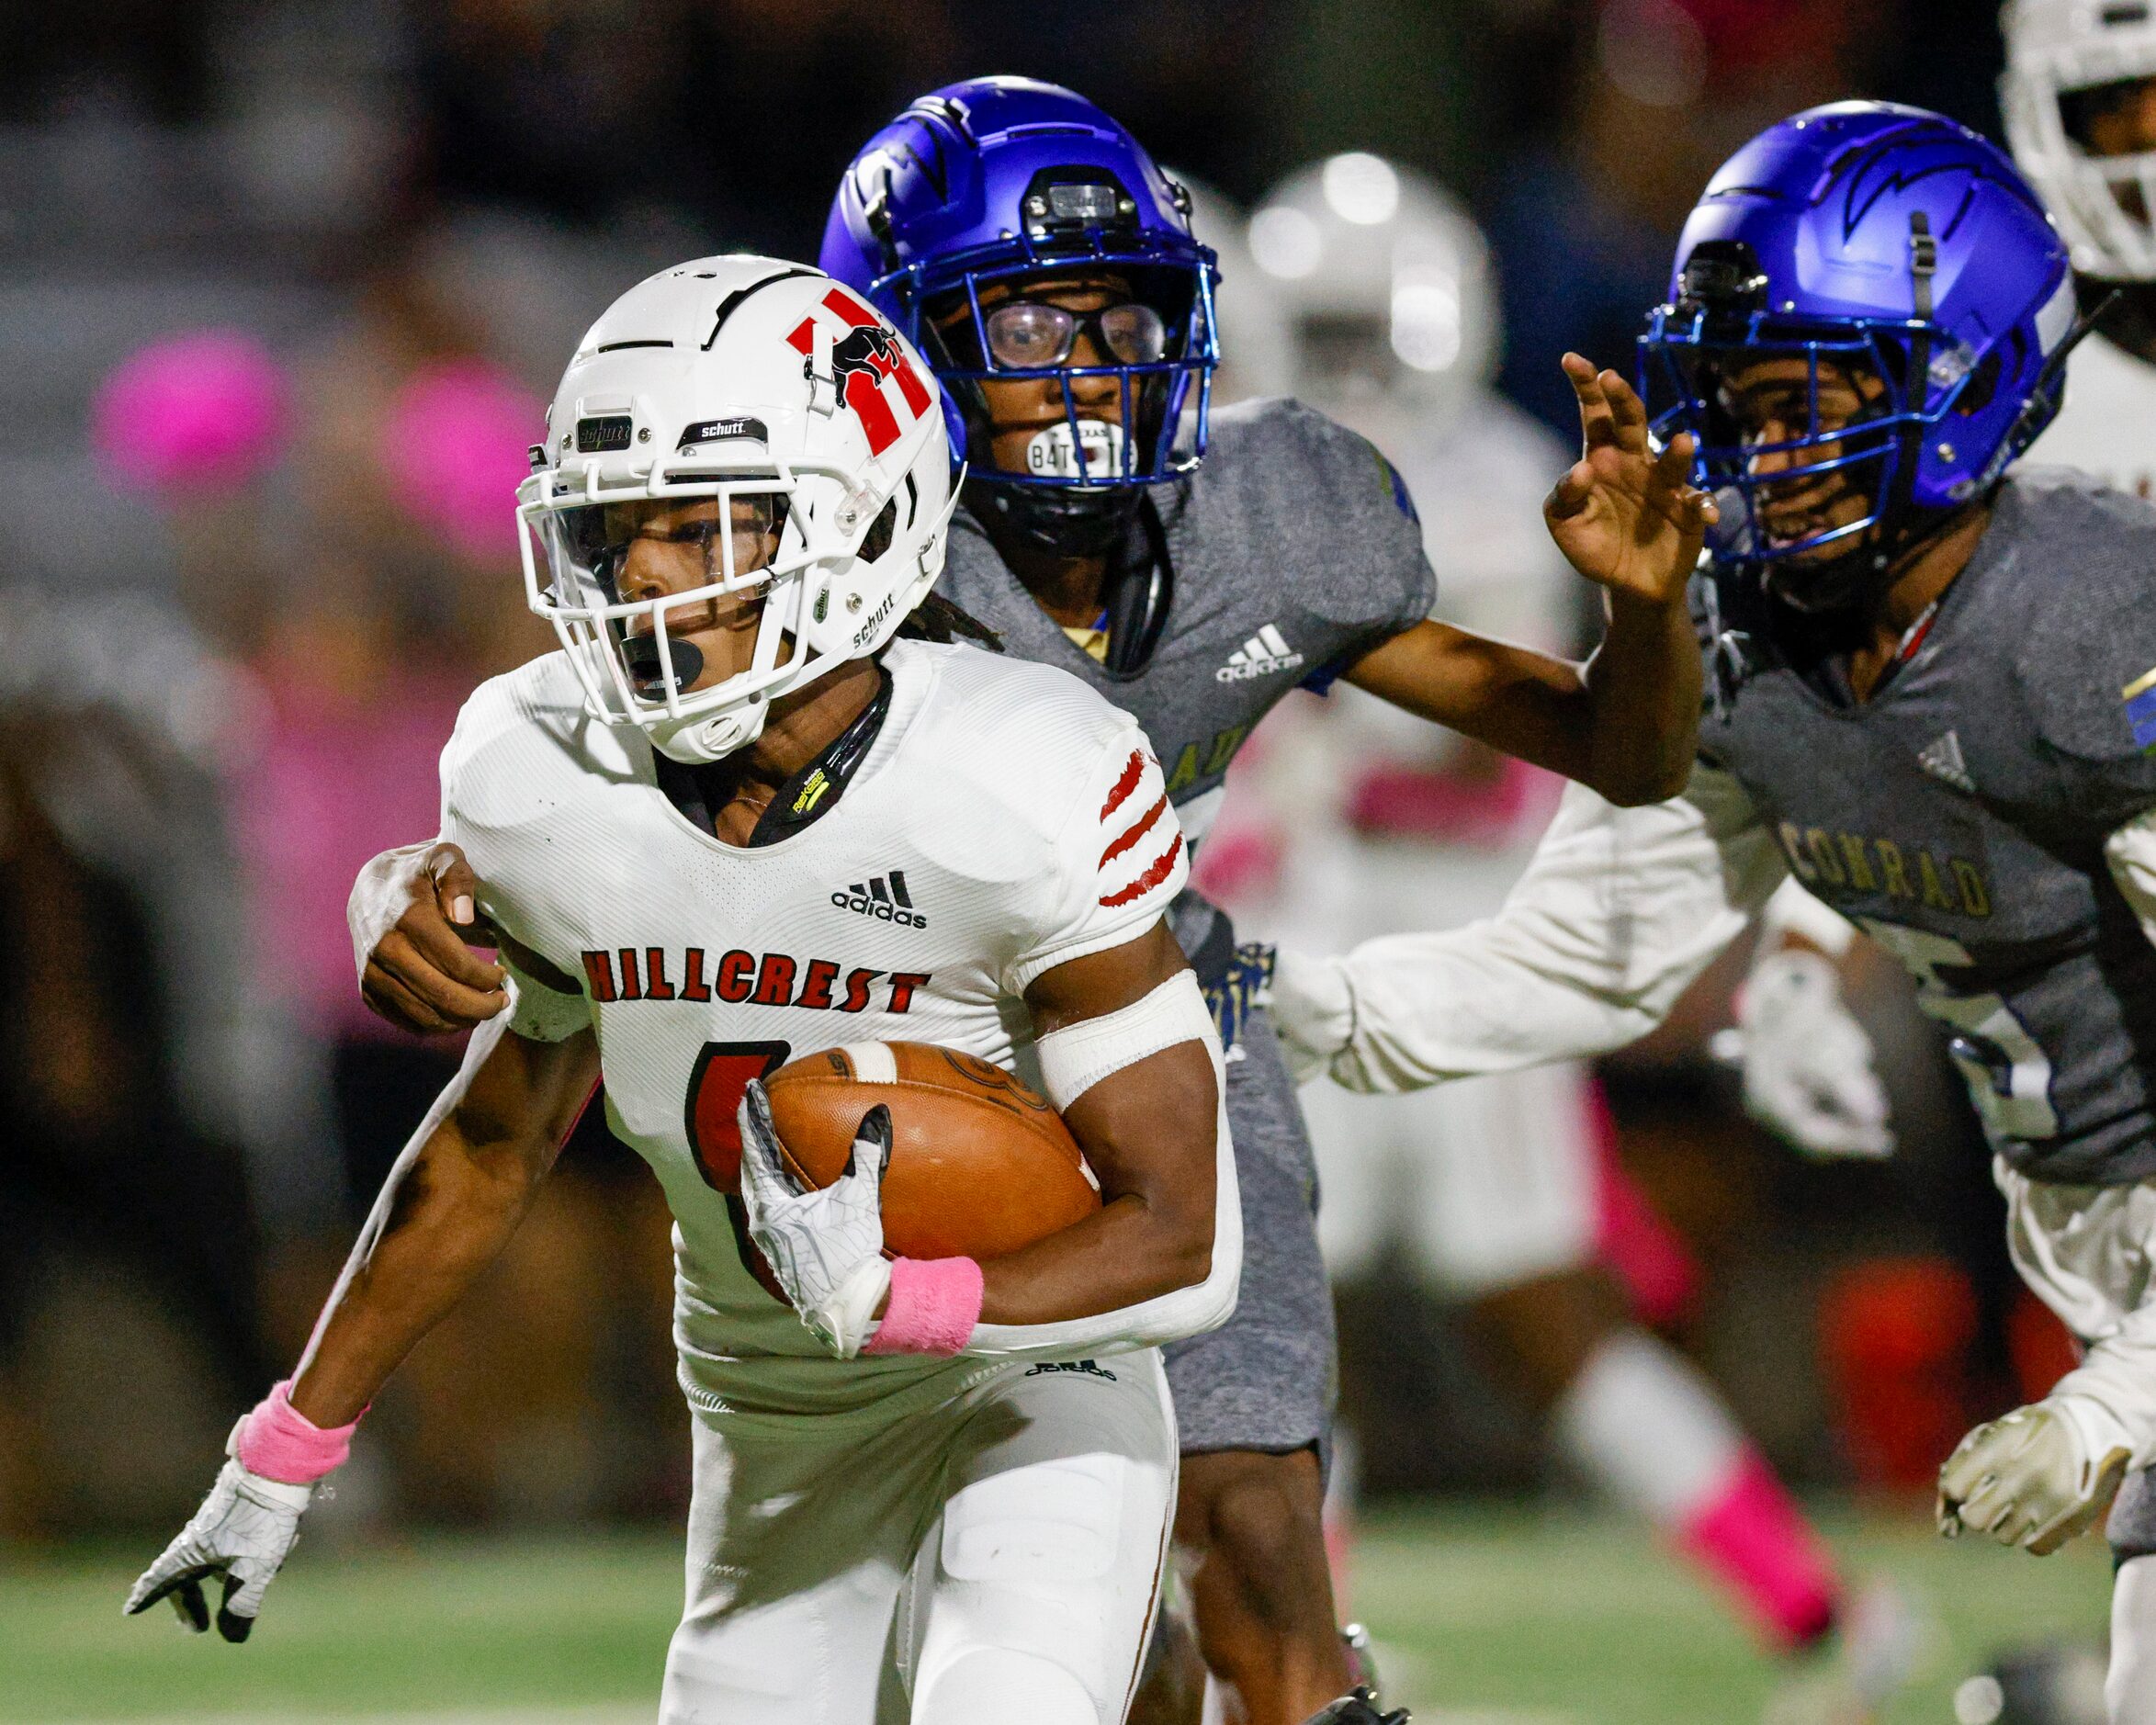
(867, 366)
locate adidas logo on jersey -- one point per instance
(1264, 653)
(884, 897)
(1942, 760)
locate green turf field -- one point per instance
(1511, 1616)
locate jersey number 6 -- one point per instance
(711, 1120)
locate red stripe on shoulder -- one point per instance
(1163, 865)
(1134, 833)
(1132, 771)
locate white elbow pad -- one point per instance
(1078, 1056)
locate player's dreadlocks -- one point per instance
(935, 619)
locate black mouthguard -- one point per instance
(640, 653)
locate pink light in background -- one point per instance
(195, 415)
(454, 443)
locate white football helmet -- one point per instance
(1255, 344)
(1387, 283)
(2056, 49)
(756, 382)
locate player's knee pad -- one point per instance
(995, 1685)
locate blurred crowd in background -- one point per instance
(285, 283)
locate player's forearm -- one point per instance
(2116, 1386)
(449, 1207)
(1597, 727)
(1164, 1317)
(1644, 685)
(1408, 1011)
(1126, 1254)
(1150, 1132)
(1164, 1258)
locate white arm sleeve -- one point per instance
(1167, 1317)
(2131, 853)
(1617, 913)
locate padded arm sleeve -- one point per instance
(1617, 913)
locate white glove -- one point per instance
(825, 1247)
(1809, 1076)
(2029, 1479)
(244, 1531)
(1312, 1011)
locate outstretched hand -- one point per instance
(1626, 518)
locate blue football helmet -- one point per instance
(996, 180)
(1897, 249)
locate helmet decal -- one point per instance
(863, 358)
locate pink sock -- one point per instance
(1646, 1254)
(1750, 1534)
(1642, 1423)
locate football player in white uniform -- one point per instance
(2079, 97)
(1198, 594)
(1495, 1184)
(738, 818)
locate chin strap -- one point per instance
(1065, 521)
(2047, 394)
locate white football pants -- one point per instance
(989, 1558)
(2129, 1691)
(2089, 1253)
(1488, 1182)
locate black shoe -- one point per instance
(1359, 1709)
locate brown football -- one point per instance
(981, 1165)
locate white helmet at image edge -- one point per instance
(2056, 49)
(1387, 285)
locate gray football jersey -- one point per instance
(1959, 817)
(1294, 550)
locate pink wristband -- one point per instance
(934, 1305)
(280, 1442)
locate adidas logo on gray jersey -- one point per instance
(1264, 653)
(1942, 760)
(883, 896)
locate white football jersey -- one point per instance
(2108, 424)
(1006, 820)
